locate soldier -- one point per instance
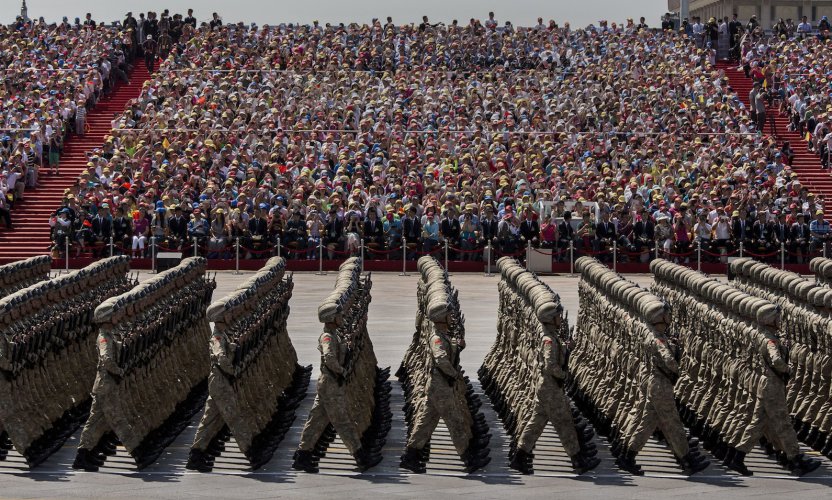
(433, 381)
(344, 393)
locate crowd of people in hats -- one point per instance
(51, 74)
(303, 139)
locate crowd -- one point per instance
(50, 75)
(308, 137)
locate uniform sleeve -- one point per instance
(220, 354)
(777, 362)
(666, 356)
(551, 360)
(106, 350)
(329, 354)
(440, 356)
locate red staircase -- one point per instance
(30, 216)
(806, 164)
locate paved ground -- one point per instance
(391, 326)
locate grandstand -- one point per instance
(469, 142)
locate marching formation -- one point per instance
(255, 383)
(734, 368)
(806, 331)
(433, 381)
(353, 398)
(524, 373)
(152, 366)
(47, 351)
(623, 367)
(24, 273)
(693, 360)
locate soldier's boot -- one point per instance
(5, 442)
(693, 462)
(412, 461)
(827, 449)
(522, 462)
(589, 451)
(627, 461)
(84, 460)
(736, 462)
(304, 462)
(813, 436)
(583, 463)
(474, 460)
(804, 431)
(801, 465)
(199, 461)
(819, 441)
(366, 460)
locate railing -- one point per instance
(555, 257)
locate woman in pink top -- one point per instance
(681, 234)
(141, 231)
(548, 233)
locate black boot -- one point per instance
(304, 461)
(801, 465)
(198, 461)
(366, 460)
(474, 460)
(583, 463)
(83, 461)
(522, 462)
(412, 461)
(737, 462)
(693, 463)
(627, 461)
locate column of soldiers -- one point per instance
(152, 366)
(622, 367)
(433, 381)
(806, 331)
(255, 383)
(524, 373)
(13, 277)
(24, 273)
(822, 268)
(353, 398)
(47, 353)
(734, 369)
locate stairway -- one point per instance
(30, 216)
(806, 163)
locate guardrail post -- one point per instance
(488, 260)
(699, 256)
(321, 257)
(741, 249)
(361, 242)
(237, 255)
(153, 253)
(571, 257)
(528, 253)
(66, 252)
(615, 256)
(446, 258)
(404, 257)
(782, 256)
(657, 249)
(278, 247)
(111, 245)
(196, 248)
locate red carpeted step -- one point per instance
(806, 164)
(30, 216)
